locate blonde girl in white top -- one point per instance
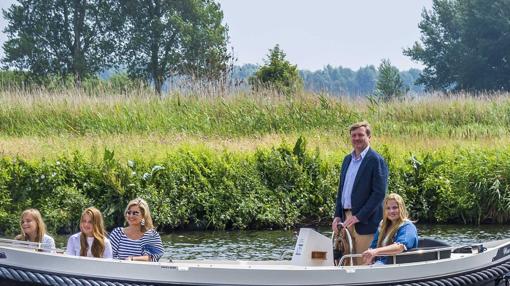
(33, 229)
(91, 241)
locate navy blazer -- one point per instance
(368, 191)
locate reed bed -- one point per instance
(244, 114)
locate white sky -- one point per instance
(314, 33)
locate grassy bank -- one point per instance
(46, 125)
(332, 144)
(248, 115)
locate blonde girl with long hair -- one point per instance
(139, 240)
(33, 229)
(396, 232)
(91, 241)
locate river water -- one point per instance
(279, 244)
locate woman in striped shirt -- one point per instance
(139, 241)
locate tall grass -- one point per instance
(332, 144)
(74, 112)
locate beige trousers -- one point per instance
(361, 242)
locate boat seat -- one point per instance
(430, 242)
(475, 248)
(424, 244)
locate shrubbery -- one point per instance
(271, 188)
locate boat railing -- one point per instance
(440, 254)
(37, 246)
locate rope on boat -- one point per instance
(496, 273)
(56, 280)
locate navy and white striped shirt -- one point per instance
(123, 247)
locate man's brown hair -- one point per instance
(360, 124)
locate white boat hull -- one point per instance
(201, 272)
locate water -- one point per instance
(464, 234)
(279, 244)
(242, 245)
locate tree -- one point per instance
(464, 45)
(179, 37)
(59, 37)
(277, 73)
(389, 84)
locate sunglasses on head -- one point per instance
(135, 213)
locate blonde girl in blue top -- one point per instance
(396, 233)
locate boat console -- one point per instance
(312, 249)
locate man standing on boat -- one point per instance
(361, 190)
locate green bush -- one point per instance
(466, 186)
(420, 185)
(278, 187)
(485, 177)
(62, 207)
(6, 208)
(304, 189)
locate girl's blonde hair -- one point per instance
(98, 233)
(41, 227)
(145, 212)
(389, 228)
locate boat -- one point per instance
(312, 263)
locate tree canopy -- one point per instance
(153, 39)
(465, 45)
(57, 37)
(179, 37)
(277, 73)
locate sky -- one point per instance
(315, 33)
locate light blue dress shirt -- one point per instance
(350, 176)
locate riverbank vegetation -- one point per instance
(239, 161)
(276, 187)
